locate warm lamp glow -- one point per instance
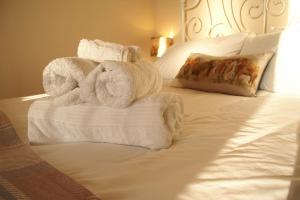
(171, 34)
(162, 46)
(159, 45)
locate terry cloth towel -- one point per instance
(117, 84)
(23, 175)
(99, 51)
(62, 75)
(151, 122)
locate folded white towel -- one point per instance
(99, 51)
(62, 75)
(118, 84)
(151, 122)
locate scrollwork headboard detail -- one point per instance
(212, 18)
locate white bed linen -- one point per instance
(231, 148)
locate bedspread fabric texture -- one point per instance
(151, 122)
(23, 175)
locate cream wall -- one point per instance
(33, 32)
(168, 18)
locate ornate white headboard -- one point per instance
(211, 18)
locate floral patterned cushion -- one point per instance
(235, 75)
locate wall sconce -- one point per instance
(159, 45)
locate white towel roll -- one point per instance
(118, 84)
(63, 75)
(70, 98)
(152, 122)
(99, 51)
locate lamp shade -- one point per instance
(159, 45)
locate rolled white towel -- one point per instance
(70, 98)
(63, 75)
(118, 84)
(99, 51)
(152, 122)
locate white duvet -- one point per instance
(231, 148)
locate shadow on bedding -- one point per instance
(171, 173)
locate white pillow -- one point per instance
(282, 73)
(261, 43)
(171, 62)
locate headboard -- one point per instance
(212, 18)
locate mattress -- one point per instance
(230, 148)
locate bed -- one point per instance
(231, 148)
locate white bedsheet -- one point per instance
(231, 148)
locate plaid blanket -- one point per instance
(23, 175)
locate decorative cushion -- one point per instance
(172, 60)
(235, 75)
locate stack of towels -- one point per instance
(106, 94)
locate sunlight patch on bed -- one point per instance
(262, 156)
(33, 97)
